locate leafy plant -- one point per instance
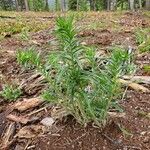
(28, 58)
(10, 93)
(86, 92)
(24, 34)
(146, 68)
(142, 38)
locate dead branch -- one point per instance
(134, 86)
(138, 79)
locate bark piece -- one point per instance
(21, 119)
(27, 104)
(134, 86)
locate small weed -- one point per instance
(28, 58)
(147, 68)
(24, 34)
(10, 93)
(143, 39)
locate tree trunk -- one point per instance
(26, 5)
(131, 4)
(46, 5)
(91, 4)
(113, 4)
(147, 4)
(16, 4)
(77, 5)
(140, 4)
(108, 4)
(63, 5)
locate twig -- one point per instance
(36, 111)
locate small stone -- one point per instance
(143, 133)
(48, 121)
(146, 140)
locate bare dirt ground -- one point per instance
(101, 30)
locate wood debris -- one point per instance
(27, 104)
(21, 119)
(7, 138)
(138, 79)
(134, 86)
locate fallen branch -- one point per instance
(116, 115)
(134, 86)
(138, 79)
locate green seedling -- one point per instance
(28, 58)
(76, 81)
(10, 93)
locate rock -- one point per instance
(48, 121)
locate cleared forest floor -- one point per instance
(101, 30)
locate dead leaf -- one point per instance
(27, 104)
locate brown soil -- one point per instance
(129, 133)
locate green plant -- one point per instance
(86, 92)
(10, 93)
(142, 39)
(140, 36)
(24, 34)
(146, 68)
(28, 58)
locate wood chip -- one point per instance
(134, 86)
(27, 104)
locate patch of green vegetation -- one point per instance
(76, 81)
(25, 34)
(143, 39)
(28, 58)
(17, 25)
(10, 93)
(97, 25)
(147, 68)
